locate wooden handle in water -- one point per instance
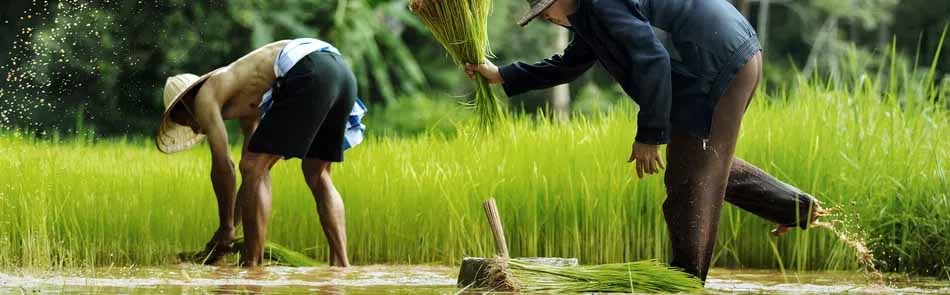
(491, 212)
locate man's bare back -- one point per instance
(241, 84)
(236, 90)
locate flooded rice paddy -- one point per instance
(194, 279)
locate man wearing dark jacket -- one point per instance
(692, 66)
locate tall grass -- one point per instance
(563, 190)
(875, 147)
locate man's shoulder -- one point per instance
(219, 79)
(607, 7)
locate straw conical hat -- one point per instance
(172, 137)
(537, 6)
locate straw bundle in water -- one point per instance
(648, 276)
(461, 26)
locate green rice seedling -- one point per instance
(273, 252)
(647, 276)
(564, 189)
(461, 26)
(283, 256)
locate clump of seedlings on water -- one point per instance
(647, 276)
(274, 253)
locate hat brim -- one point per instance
(534, 11)
(172, 137)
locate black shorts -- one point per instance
(311, 104)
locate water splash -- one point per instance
(47, 64)
(846, 228)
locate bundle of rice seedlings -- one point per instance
(648, 276)
(280, 255)
(273, 253)
(461, 26)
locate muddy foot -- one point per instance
(212, 253)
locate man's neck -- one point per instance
(570, 7)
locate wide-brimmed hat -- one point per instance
(172, 137)
(537, 6)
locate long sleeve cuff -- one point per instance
(511, 82)
(654, 136)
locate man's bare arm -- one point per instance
(223, 175)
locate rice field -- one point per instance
(563, 190)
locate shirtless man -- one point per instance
(292, 99)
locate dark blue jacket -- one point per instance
(673, 57)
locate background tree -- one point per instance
(100, 65)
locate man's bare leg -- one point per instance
(329, 207)
(255, 199)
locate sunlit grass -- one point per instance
(563, 191)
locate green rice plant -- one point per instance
(273, 253)
(647, 276)
(461, 26)
(281, 255)
(565, 191)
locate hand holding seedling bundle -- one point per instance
(461, 26)
(487, 69)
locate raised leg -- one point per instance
(754, 190)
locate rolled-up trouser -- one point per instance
(761, 194)
(701, 174)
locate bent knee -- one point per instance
(254, 165)
(315, 168)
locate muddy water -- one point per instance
(195, 279)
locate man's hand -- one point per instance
(647, 157)
(487, 69)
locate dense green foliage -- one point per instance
(100, 65)
(564, 190)
(865, 129)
